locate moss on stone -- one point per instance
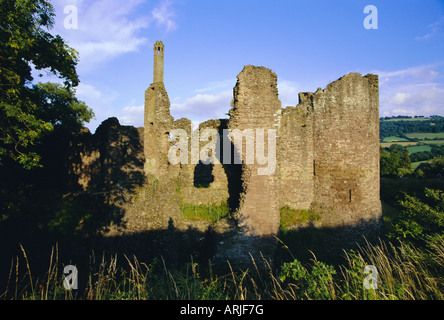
(293, 217)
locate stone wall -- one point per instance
(327, 160)
(158, 124)
(296, 157)
(111, 158)
(346, 153)
(205, 183)
(329, 152)
(256, 106)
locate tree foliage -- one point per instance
(396, 162)
(433, 168)
(420, 218)
(400, 128)
(26, 44)
(59, 106)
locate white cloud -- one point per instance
(164, 16)
(400, 98)
(288, 93)
(209, 102)
(419, 73)
(132, 115)
(110, 28)
(86, 91)
(214, 100)
(218, 86)
(99, 102)
(201, 107)
(412, 91)
(434, 29)
(198, 108)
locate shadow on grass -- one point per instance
(326, 244)
(45, 206)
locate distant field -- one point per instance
(424, 135)
(412, 143)
(404, 144)
(416, 164)
(408, 119)
(414, 149)
(437, 142)
(394, 139)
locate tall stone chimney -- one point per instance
(158, 62)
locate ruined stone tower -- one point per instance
(329, 152)
(256, 106)
(157, 119)
(326, 155)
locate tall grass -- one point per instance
(404, 272)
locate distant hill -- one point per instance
(422, 136)
(400, 126)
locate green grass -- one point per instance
(404, 273)
(404, 144)
(416, 164)
(394, 139)
(413, 149)
(425, 135)
(291, 217)
(211, 212)
(435, 142)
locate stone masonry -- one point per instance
(256, 106)
(327, 150)
(327, 161)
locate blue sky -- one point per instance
(308, 43)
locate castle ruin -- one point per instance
(327, 149)
(326, 162)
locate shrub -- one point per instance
(318, 283)
(418, 218)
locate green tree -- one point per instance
(395, 163)
(405, 165)
(384, 158)
(404, 161)
(395, 152)
(59, 106)
(389, 162)
(435, 166)
(419, 218)
(25, 43)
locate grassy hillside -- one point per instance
(422, 136)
